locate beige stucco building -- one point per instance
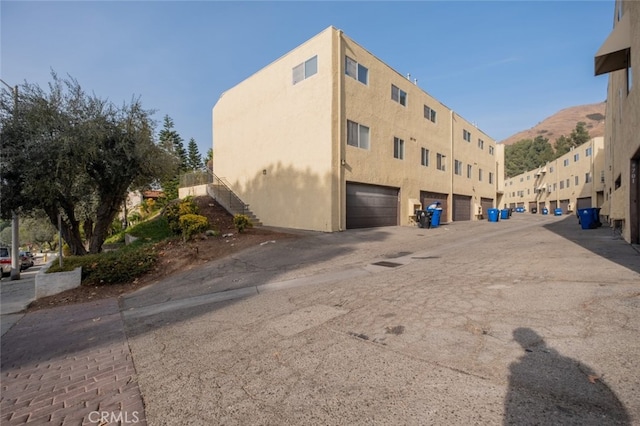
(328, 137)
(570, 182)
(619, 57)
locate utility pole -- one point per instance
(15, 237)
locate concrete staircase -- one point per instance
(222, 193)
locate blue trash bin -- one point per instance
(493, 215)
(557, 212)
(435, 218)
(586, 218)
(504, 214)
(596, 217)
(545, 210)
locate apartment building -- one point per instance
(619, 57)
(572, 181)
(328, 137)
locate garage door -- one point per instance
(564, 205)
(370, 206)
(428, 197)
(554, 205)
(486, 203)
(583, 203)
(461, 207)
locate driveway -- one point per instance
(529, 320)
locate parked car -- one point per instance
(5, 261)
(27, 260)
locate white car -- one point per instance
(5, 261)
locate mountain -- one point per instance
(563, 122)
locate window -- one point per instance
(576, 181)
(565, 162)
(588, 151)
(491, 177)
(567, 183)
(528, 177)
(480, 175)
(469, 168)
(441, 160)
(555, 186)
(466, 135)
(399, 95)
(587, 177)
(357, 135)
(457, 166)
(429, 114)
(305, 70)
(550, 169)
(561, 184)
(480, 144)
(398, 148)
(490, 150)
(356, 70)
(576, 157)
(424, 157)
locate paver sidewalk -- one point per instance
(69, 365)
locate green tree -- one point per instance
(580, 134)
(37, 229)
(171, 143)
(527, 154)
(194, 159)
(562, 145)
(209, 159)
(75, 155)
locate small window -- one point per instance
(550, 169)
(357, 135)
(356, 70)
(576, 157)
(480, 175)
(566, 162)
(480, 144)
(424, 157)
(457, 167)
(491, 177)
(587, 152)
(398, 148)
(587, 177)
(429, 114)
(561, 184)
(399, 95)
(305, 70)
(567, 183)
(490, 150)
(466, 135)
(469, 171)
(441, 160)
(576, 181)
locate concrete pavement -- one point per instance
(529, 320)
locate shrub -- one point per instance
(112, 267)
(174, 211)
(241, 222)
(192, 224)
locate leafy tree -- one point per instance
(194, 159)
(562, 146)
(37, 230)
(527, 154)
(580, 134)
(75, 155)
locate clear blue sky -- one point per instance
(504, 65)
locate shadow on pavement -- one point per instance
(602, 241)
(548, 388)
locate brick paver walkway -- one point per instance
(69, 365)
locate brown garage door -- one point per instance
(461, 207)
(486, 203)
(370, 206)
(554, 206)
(583, 203)
(564, 205)
(428, 197)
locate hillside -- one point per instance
(563, 122)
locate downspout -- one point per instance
(339, 137)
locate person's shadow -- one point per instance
(546, 388)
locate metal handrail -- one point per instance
(235, 204)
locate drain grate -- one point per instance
(388, 264)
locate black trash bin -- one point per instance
(423, 217)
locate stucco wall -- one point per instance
(273, 139)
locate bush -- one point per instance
(112, 267)
(174, 211)
(192, 224)
(241, 222)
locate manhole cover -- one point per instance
(388, 264)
